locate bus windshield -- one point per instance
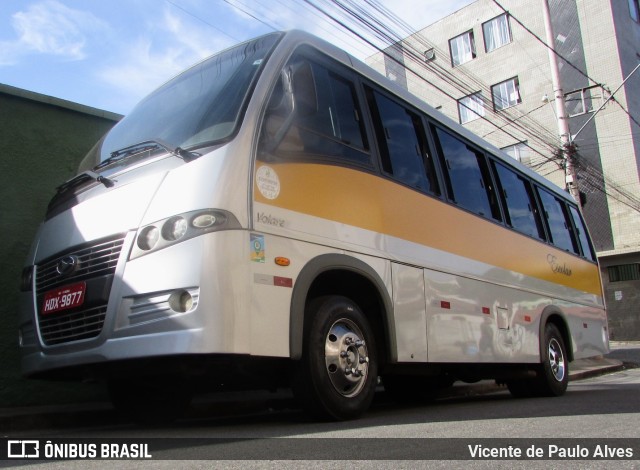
(201, 106)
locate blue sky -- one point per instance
(110, 53)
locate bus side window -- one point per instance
(583, 236)
(402, 143)
(467, 175)
(519, 202)
(320, 119)
(558, 222)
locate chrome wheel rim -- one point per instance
(346, 358)
(556, 360)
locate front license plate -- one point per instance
(64, 298)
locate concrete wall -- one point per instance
(622, 299)
(43, 140)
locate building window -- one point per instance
(624, 272)
(463, 48)
(579, 102)
(634, 10)
(496, 33)
(520, 152)
(470, 108)
(506, 94)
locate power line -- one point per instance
(201, 20)
(415, 57)
(552, 49)
(373, 28)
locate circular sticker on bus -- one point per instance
(268, 182)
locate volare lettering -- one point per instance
(268, 219)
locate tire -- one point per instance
(552, 376)
(150, 400)
(337, 375)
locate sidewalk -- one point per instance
(55, 416)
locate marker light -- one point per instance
(204, 220)
(282, 261)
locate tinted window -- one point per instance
(402, 143)
(468, 180)
(558, 223)
(583, 236)
(326, 119)
(201, 105)
(517, 195)
(337, 115)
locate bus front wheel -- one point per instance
(337, 374)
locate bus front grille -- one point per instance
(72, 326)
(95, 265)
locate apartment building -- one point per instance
(487, 66)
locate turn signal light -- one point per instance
(282, 261)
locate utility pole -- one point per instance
(567, 149)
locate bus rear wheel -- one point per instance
(337, 374)
(552, 376)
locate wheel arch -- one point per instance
(338, 274)
(555, 315)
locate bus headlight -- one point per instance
(206, 220)
(181, 227)
(174, 229)
(148, 237)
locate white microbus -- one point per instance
(280, 215)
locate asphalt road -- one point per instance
(599, 411)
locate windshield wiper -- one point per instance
(107, 182)
(147, 146)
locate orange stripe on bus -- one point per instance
(373, 203)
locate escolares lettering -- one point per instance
(270, 220)
(558, 268)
